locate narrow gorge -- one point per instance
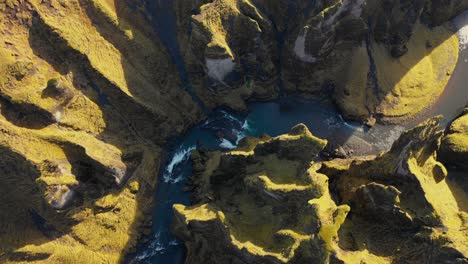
(233, 131)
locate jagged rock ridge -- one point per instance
(273, 200)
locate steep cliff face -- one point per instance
(403, 204)
(273, 200)
(227, 46)
(378, 59)
(87, 97)
(263, 203)
(440, 11)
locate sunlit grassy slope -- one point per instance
(79, 86)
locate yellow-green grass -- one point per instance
(259, 227)
(278, 170)
(103, 224)
(199, 213)
(211, 17)
(457, 138)
(130, 61)
(414, 81)
(439, 194)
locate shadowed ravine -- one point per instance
(162, 17)
(273, 118)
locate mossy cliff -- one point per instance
(227, 51)
(405, 205)
(87, 98)
(384, 60)
(264, 202)
(273, 200)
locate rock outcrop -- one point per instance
(378, 59)
(273, 200)
(228, 51)
(263, 203)
(454, 148)
(404, 204)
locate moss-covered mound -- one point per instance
(396, 89)
(454, 149)
(271, 201)
(263, 203)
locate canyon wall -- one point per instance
(275, 200)
(90, 94)
(88, 97)
(378, 60)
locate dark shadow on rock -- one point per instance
(22, 256)
(129, 124)
(147, 124)
(25, 115)
(357, 234)
(457, 181)
(21, 203)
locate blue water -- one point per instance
(223, 130)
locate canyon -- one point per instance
(104, 104)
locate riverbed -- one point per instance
(223, 130)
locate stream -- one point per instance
(224, 129)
